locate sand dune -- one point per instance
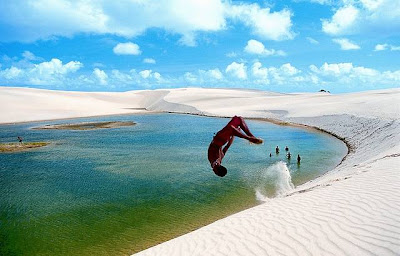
(352, 210)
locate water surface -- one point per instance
(118, 191)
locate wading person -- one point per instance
(223, 140)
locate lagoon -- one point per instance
(119, 191)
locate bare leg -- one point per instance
(238, 121)
(238, 133)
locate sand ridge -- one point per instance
(352, 210)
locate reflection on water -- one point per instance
(117, 191)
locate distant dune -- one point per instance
(352, 210)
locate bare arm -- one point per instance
(228, 145)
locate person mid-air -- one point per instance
(225, 136)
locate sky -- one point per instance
(276, 45)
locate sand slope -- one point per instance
(352, 210)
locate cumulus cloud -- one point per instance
(258, 48)
(52, 72)
(363, 17)
(286, 73)
(347, 73)
(214, 73)
(342, 22)
(207, 77)
(101, 76)
(149, 74)
(346, 44)
(128, 48)
(149, 61)
(336, 77)
(29, 21)
(237, 70)
(11, 73)
(264, 23)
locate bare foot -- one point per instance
(256, 140)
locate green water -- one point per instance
(119, 191)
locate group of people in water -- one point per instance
(224, 138)
(288, 154)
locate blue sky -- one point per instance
(285, 46)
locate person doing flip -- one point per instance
(223, 140)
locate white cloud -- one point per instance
(286, 73)
(384, 47)
(256, 47)
(346, 44)
(190, 77)
(52, 72)
(336, 77)
(149, 61)
(101, 76)
(371, 4)
(342, 21)
(259, 72)
(207, 77)
(11, 73)
(145, 73)
(237, 70)
(213, 74)
(157, 76)
(41, 19)
(188, 39)
(344, 70)
(263, 22)
(312, 40)
(29, 21)
(394, 48)
(372, 17)
(127, 49)
(381, 47)
(149, 74)
(289, 69)
(55, 67)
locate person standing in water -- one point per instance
(225, 137)
(288, 155)
(286, 148)
(277, 150)
(298, 159)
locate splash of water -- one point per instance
(279, 174)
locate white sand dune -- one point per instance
(352, 210)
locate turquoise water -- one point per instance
(118, 191)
